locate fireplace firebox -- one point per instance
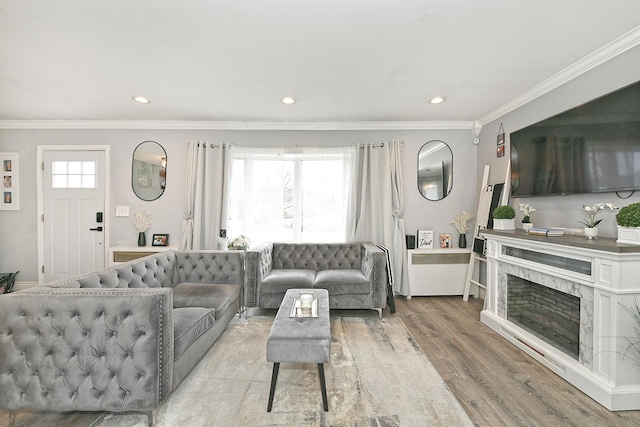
(549, 314)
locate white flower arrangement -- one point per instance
(142, 220)
(526, 209)
(592, 211)
(240, 242)
(460, 222)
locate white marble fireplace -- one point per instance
(597, 278)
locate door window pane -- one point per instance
(73, 174)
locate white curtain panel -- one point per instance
(206, 194)
(376, 211)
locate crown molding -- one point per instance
(618, 46)
(238, 125)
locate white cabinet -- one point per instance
(438, 271)
(120, 254)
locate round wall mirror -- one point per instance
(149, 170)
(435, 170)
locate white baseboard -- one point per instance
(19, 286)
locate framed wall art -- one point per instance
(10, 184)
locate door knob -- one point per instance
(96, 229)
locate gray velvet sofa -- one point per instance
(120, 339)
(353, 273)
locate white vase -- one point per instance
(504, 224)
(526, 226)
(629, 235)
(591, 233)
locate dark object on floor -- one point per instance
(7, 280)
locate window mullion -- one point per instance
(298, 222)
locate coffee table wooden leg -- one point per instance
(274, 379)
(323, 387)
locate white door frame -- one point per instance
(40, 195)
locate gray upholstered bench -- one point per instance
(300, 339)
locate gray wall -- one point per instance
(18, 228)
(562, 211)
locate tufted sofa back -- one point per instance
(210, 267)
(317, 256)
(152, 271)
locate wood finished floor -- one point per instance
(496, 383)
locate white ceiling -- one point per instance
(344, 61)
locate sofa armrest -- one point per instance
(374, 264)
(86, 349)
(258, 262)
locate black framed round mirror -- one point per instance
(149, 170)
(435, 170)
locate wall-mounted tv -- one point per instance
(592, 148)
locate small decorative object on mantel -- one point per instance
(591, 223)
(527, 209)
(460, 224)
(239, 243)
(445, 240)
(160, 240)
(504, 218)
(142, 220)
(425, 239)
(222, 239)
(628, 220)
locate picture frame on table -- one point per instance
(424, 239)
(445, 241)
(160, 240)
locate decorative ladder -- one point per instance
(482, 218)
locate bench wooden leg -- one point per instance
(323, 387)
(274, 379)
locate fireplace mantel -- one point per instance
(606, 277)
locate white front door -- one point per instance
(73, 212)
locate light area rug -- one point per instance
(377, 376)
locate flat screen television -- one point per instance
(592, 148)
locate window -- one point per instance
(284, 196)
(73, 174)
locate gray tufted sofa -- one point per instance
(353, 273)
(120, 339)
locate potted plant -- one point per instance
(142, 220)
(628, 219)
(527, 210)
(504, 218)
(591, 223)
(239, 243)
(460, 224)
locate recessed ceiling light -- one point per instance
(437, 100)
(288, 100)
(141, 99)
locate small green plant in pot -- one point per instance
(628, 219)
(504, 218)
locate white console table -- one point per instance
(437, 271)
(120, 254)
(604, 275)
